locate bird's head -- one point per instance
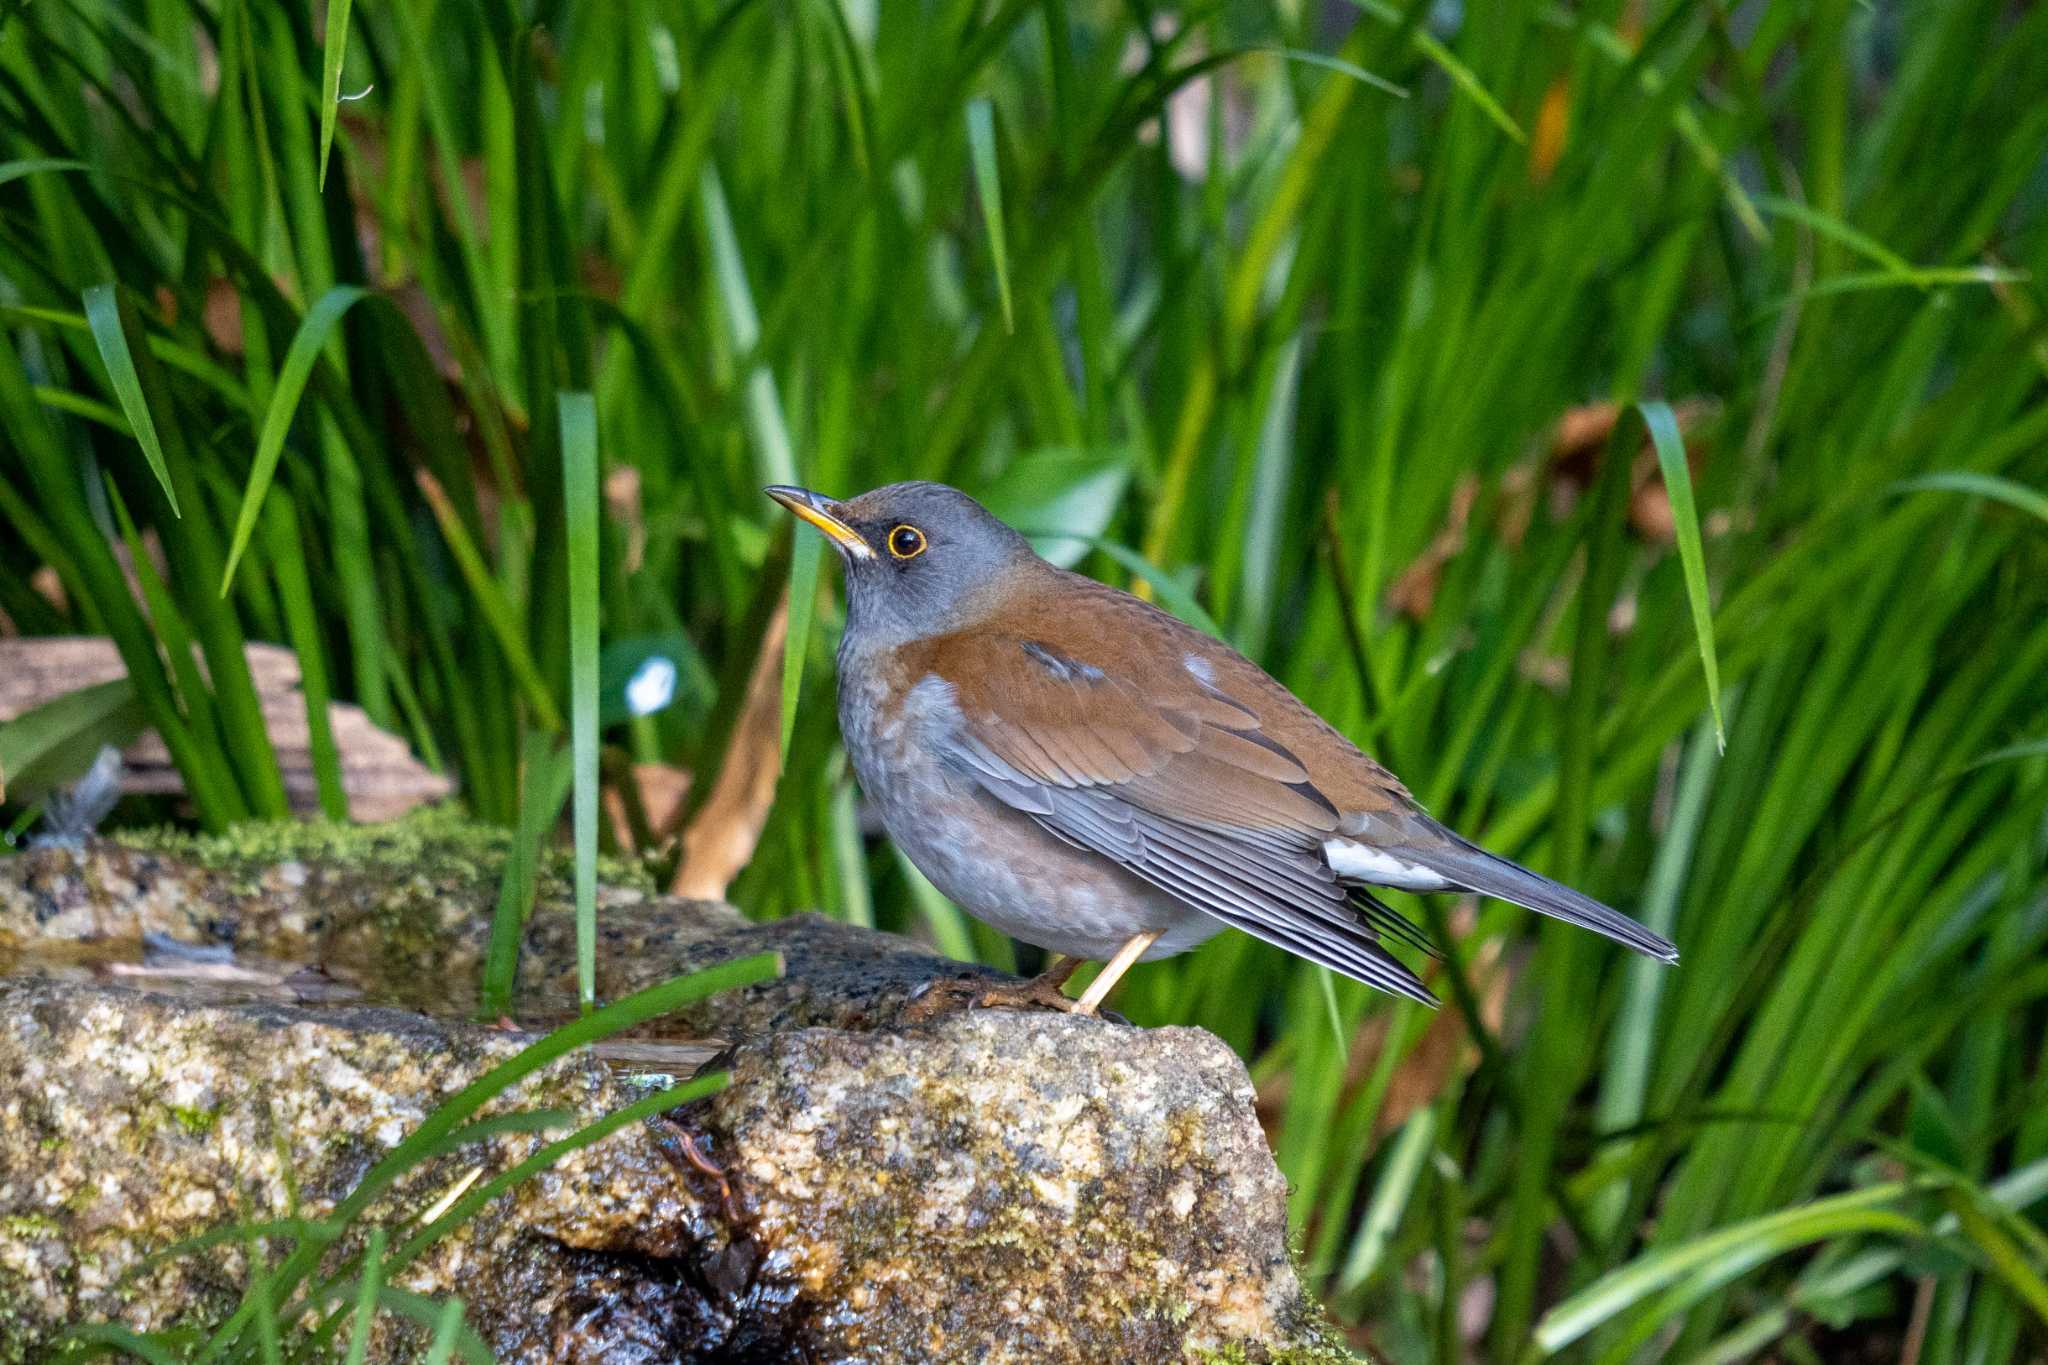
(921, 559)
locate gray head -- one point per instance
(921, 558)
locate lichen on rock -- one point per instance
(992, 1186)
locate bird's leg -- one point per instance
(974, 992)
(1113, 971)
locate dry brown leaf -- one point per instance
(721, 838)
(1572, 458)
(379, 774)
(1446, 1052)
(222, 316)
(660, 788)
(1414, 590)
(1553, 126)
(622, 508)
(51, 588)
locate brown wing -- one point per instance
(1095, 724)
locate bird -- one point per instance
(1086, 773)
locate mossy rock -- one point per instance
(993, 1186)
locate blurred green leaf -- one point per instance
(1685, 523)
(2015, 495)
(1062, 498)
(48, 746)
(109, 333)
(580, 474)
(981, 150)
(1742, 1245)
(370, 1282)
(334, 49)
(807, 555)
(446, 1327)
(320, 321)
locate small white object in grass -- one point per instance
(652, 686)
(450, 1195)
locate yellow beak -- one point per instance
(816, 509)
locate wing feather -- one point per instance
(1181, 791)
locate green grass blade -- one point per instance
(548, 777)
(302, 625)
(637, 1008)
(64, 400)
(1918, 277)
(446, 1327)
(11, 171)
(1827, 225)
(2013, 494)
(499, 616)
(1626, 1080)
(766, 422)
(1461, 76)
(1390, 1195)
(579, 501)
(806, 557)
(269, 1340)
(72, 727)
(849, 857)
(1326, 983)
(431, 1314)
(1685, 520)
(1773, 1234)
(334, 51)
(110, 334)
(106, 1338)
(2006, 1257)
(321, 320)
(465, 1208)
(370, 1282)
(988, 182)
(1341, 67)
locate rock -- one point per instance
(993, 1186)
(379, 775)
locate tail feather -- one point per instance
(1471, 868)
(1386, 920)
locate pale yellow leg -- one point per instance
(1113, 971)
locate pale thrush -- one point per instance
(1088, 774)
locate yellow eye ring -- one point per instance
(906, 542)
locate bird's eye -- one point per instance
(906, 542)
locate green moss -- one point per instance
(30, 1225)
(196, 1121)
(439, 843)
(440, 838)
(1303, 1355)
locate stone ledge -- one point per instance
(998, 1186)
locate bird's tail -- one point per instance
(1468, 867)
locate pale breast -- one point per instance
(994, 862)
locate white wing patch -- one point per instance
(1361, 862)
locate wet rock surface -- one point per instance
(193, 1034)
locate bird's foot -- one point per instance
(948, 994)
